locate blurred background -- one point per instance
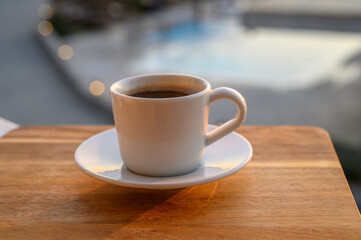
(297, 62)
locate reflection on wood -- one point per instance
(293, 188)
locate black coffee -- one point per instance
(162, 93)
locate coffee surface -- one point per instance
(162, 93)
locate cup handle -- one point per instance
(233, 124)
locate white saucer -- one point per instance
(99, 157)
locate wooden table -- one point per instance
(293, 188)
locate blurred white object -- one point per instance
(6, 126)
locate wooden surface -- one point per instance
(293, 188)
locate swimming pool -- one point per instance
(223, 50)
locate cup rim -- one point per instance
(194, 95)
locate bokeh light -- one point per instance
(65, 52)
(45, 11)
(45, 28)
(96, 88)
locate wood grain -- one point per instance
(293, 188)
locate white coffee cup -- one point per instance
(168, 136)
